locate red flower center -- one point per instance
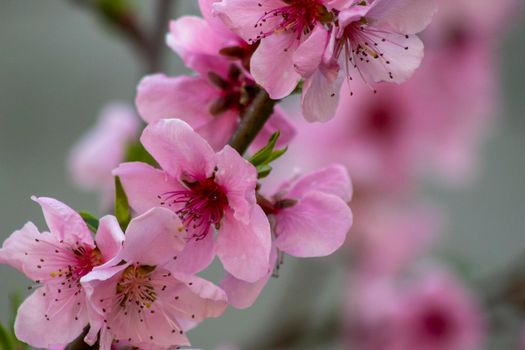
(203, 204)
(298, 16)
(436, 324)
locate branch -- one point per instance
(162, 18)
(252, 121)
(79, 344)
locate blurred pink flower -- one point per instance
(56, 312)
(208, 191)
(440, 314)
(434, 312)
(391, 234)
(103, 148)
(139, 297)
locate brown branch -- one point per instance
(252, 121)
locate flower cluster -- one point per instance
(186, 194)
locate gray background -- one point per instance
(59, 66)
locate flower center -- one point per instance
(87, 259)
(135, 287)
(436, 324)
(298, 16)
(203, 204)
(237, 91)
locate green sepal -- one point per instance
(90, 220)
(262, 159)
(122, 211)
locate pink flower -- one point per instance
(284, 30)
(140, 298)
(208, 191)
(434, 312)
(440, 314)
(214, 101)
(310, 218)
(311, 215)
(391, 234)
(56, 312)
(103, 148)
(377, 39)
(314, 39)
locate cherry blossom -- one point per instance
(56, 312)
(208, 191)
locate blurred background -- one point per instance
(59, 65)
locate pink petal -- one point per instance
(403, 54)
(333, 179)
(320, 96)
(244, 249)
(64, 221)
(219, 129)
(179, 150)
(183, 97)
(154, 237)
(215, 22)
(241, 17)
(309, 55)
(32, 327)
(241, 294)
(279, 80)
(196, 255)
(37, 255)
(404, 16)
(198, 44)
(198, 298)
(144, 184)
(316, 226)
(109, 237)
(238, 179)
(99, 151)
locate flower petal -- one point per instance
(153, 238)
(244, 249)
(333, 179)
(61, 327)
(196, 255)
(64, 221)
(404, 16)
(238, 179)
(242, 294)
(309, 55)
(144, 185)
(179, 150)
(109, 237)
(316, 226)
(183, 97)
(279, 80)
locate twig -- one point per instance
(252, 121)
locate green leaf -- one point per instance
(276, 154)
(90, 220)
(262, 155)
(263, 171)
(6, 339)
(137, 153)
(122, 211)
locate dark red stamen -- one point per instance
(203, 204)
